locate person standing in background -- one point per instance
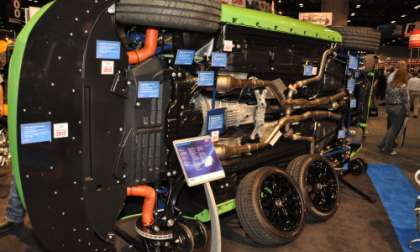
(414, 89)
(397, 103)
(15, 213)
(389, 72)
(381, 87)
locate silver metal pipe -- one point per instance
(293, 89)
(234, 148)
(299, 118)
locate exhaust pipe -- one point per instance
(305, 104)
(293, 88)
(316, 115)
(228, 150)
(228, 83)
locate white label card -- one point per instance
(228, 46)
(215, 136)
(107, 67)
(314, 70)
(61, 130)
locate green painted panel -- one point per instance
(266, 21)
(355, 153)
(222, 208)
(13, 93)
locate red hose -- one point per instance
(148, 50)
(149, 195)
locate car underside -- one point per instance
(118, 84)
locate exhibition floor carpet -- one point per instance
(398, 196)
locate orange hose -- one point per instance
(149, 195)
(148, 50)
(5, 111)
(2, 108)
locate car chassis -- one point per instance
(87, 149)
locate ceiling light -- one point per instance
(417, 7)
(403, 15)
(393, 22)
(301, 5)
(353, 14)
(358, 6)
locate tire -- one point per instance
(359, 38)
(186, 238)
(189, 15)
(199, 232)
(250, 199)
(358, 167)
(300, 169)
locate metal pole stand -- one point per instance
(216, 233)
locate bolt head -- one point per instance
(170, 223)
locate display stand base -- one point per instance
(364, 195)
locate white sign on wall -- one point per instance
(410, 27)
(319, 18)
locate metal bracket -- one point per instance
(260, 113)
(119, 85)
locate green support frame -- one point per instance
(265, 21)
(222, 208)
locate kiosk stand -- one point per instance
(216, 233)
(201, 165)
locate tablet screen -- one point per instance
(199, 160)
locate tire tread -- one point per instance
(359, 38)
(247, 211)
(190, 15)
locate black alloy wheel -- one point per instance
(270, 207)
(319, 184)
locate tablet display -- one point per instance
(199, 160)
